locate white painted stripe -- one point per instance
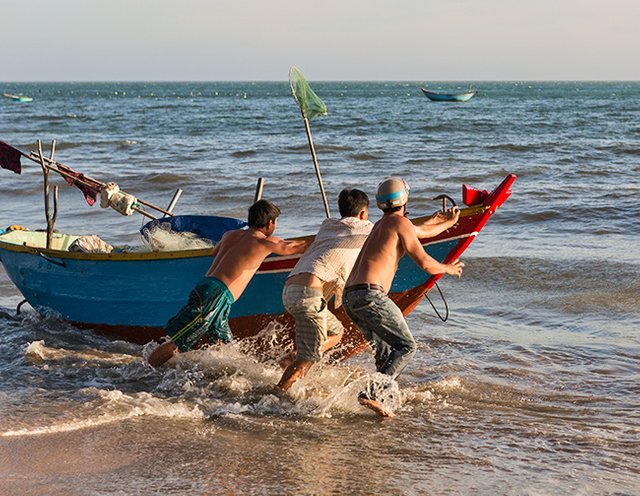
(462, 236)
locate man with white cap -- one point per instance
(365, 296)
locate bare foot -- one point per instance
(376, 406)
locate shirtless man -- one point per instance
(365, 295)
(319, 275)
(236, 259)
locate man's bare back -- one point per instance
(378, 260)
(240, 253)
(392, 237)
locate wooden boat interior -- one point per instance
(38, 239)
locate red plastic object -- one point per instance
(472, 196)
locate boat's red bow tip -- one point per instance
(472, 196)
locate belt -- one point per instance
(365, 285)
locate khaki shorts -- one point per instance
(314, 321)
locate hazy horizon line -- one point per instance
(466, 81)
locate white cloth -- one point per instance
(121, 202)
(107, 191)
(333, 253)
(90, 244)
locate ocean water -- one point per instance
(531, 387)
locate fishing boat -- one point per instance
(132, 295)
(18, 98)
(449, 97)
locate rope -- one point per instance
(20, 305)
(446, 306)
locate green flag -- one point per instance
(310, 103)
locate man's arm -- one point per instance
(215, 249)
(282, 247)
(436, 218)
(437, 223)
(414, 249)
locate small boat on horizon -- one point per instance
(18, 98)
(449, 97)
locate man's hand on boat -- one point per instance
(437, 223)
(454, 268)
(452, 213)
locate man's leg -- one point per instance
(368, 310)
(309, 310)
(381, 350)
(181, 322)
(335, 331)
(394, 331)
(162, 353)
(297, 370)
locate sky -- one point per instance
(258, 40)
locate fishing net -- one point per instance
(163, 238)
(310, 103)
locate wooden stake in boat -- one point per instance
(259, 187)
(173, 202)
(51, 218)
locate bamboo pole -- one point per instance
(49, 162)
(259, 188)
(55, 192)
(161, 210)
(35, 158)
(173, 202)
(142, 212)
(315, 162)
(47, 212)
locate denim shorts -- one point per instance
(383, 325)
(314, 321)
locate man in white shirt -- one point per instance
(319, 275)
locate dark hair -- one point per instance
(262, 212)
(351, 202)
(392, 209)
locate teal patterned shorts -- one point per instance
(206, 315)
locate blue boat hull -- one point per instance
(146, 292)
(448, 97)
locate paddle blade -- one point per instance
(310, 103)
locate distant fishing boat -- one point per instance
(449, 97)
(18, 98)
